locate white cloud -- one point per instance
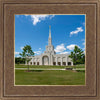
(37, 52)
(38, 18)
(72, 46)
(84, 52)
(51, 16)
(60, 48)
(21, 48)
(16, 53)
(18, 56)
(79, 29)
(83, 49)
(84, 43)
(39, 48)
(64, 52)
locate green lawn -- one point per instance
(41, 66)
(49, 77)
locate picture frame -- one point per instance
(90, 91)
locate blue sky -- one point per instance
(66, 31)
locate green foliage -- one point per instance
(19, 60)
(77, 55)
(27, 53)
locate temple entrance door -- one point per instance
(45, 60)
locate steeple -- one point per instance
(49, 31)
(50, 47)
(49, 40)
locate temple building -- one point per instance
(49, 57)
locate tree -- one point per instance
(19, 60)
(77, 55)
(27, 53)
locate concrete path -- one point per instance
(78, 68)
(48, 69)
(37, 69)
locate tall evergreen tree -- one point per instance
(77, 55)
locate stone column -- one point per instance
(49, 60)
(52, 60)
(61, 61)
(36, 61)
(25, 62)
(66, 61)
(29, 62)
(56, 61)
(41, 60)
(71, 63)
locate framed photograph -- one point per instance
(61, 62)
(49, 50)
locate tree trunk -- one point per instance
(28, 65)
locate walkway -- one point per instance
(48, 69)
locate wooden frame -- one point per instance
(90, 91)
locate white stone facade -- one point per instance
(49, 57)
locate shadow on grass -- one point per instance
(81, 71)
(34, 70)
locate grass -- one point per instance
(49, 77)
(50, 67)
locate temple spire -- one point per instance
(49, 40)
(49, 31)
